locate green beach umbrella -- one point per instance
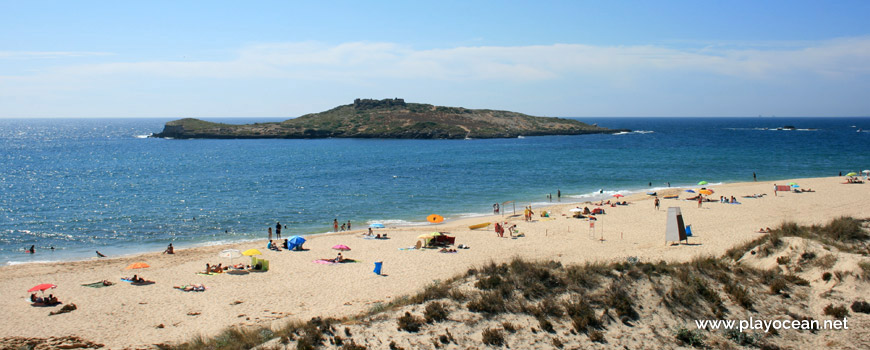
(792, 183)
(702, 183)
(852, 174)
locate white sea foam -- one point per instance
(142, 136)
(634, 132)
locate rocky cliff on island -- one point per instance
(389, 118)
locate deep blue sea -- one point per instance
(81, 185)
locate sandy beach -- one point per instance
(128, 316)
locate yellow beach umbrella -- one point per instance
(435, 218)
(706, 192)
(252, 251)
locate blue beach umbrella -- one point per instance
(690, 191)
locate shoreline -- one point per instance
(566, 199)
(297, 288)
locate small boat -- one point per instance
(474, 227)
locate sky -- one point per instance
(121, 59)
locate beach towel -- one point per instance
(324, 261)
(207, 274)
(96, 285)
(137, 283)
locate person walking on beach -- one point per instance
(342, 226)
(700, 199)
(278, 230)
(753, 177)
(657, 203)
(270, 233)
(335, 225)
(348, 225)
(495, 208)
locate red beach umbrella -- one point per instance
(618, 195)
(42, 287)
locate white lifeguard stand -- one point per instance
(676, 229)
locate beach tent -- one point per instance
(295, 242)
(675, 229)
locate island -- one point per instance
(388, 118)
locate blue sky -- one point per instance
(553, 58)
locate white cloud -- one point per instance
(49, 54)
(373, 66)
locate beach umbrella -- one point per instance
(852, 174)
(618, 195)
(429, 235)
(42, 287)
(230, 253)
(792, 183)
(795, 186)
(690, 191)
(295, 241)
(576, 210)
(138, 265)
(341, 247)
(866, 171)
(377, 225)
(702, 183)
(707, 192)
(250, 252)
(435, 218)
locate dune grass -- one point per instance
(588, 298)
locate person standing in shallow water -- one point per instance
(335, 225)
(278, 230)
(270, 233)
(348, 225)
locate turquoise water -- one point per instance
(81, 185)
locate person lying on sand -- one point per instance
(191, 288)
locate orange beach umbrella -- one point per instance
(138, 265)
(435, 218)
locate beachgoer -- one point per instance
(100, 254)
(169, 249)
(278, 230)
(270, 233)
(753, 177)
(335, 225)
(495, 208)
(31, 250)
(669, 184)
(342, 226)
(733, 200)
(700, 199)
(370, 232)
(348, 225)
(339, 258)
(774, 190)
(559, 194)
(650, 184)
(657, 203)
(286, 244)
(207, 268)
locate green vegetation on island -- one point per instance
(389, 118)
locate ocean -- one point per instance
(82, 185)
